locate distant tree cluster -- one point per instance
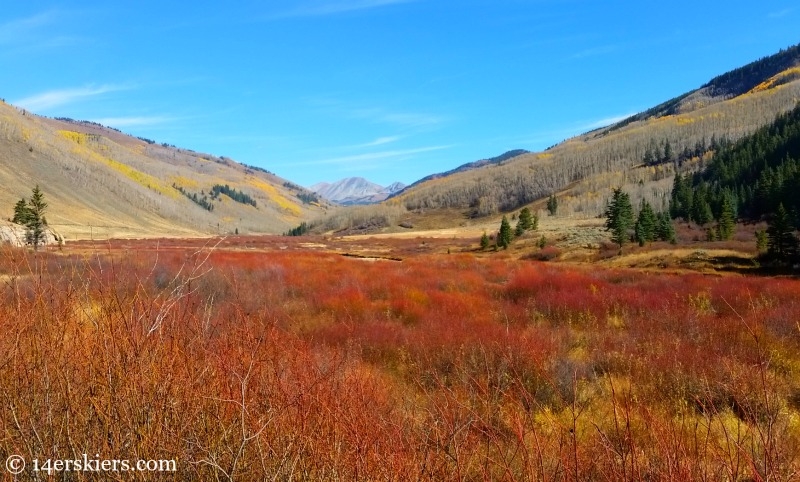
(30, 213)
(647, 226)
(304, 195)
(237, 196)
(256, 168)
(73, 121)
(201, 200)
(299, 230)
(662, 152)
(526, 221)
(308, 197)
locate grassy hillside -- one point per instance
(582, 170)
(102, 183)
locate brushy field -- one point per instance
(270, 364)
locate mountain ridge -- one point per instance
(102, 183)
(355, 190)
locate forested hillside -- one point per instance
(755, 175)
(607, 153)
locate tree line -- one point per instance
(756, 178)
(232, 193)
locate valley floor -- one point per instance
(406, 357)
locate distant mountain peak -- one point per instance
(355, 190)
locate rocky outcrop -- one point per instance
(14, 234)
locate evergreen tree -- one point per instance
(781, 241)
(762, 240)
(542, 242)
(619, 216)
(727, 223)
(701, 212)
(648, 159)
(36, 221)
(519, 230)
(525, 219)
(665, 231)
(645, 228)
(656, 152)
(505, 234)
(680, 205)
(21, 212)
(667, 151)
(552, 205)
(484, 241)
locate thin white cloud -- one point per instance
(378, 142)
(402, 119)
(120, 122)
(316, 9)
(20, 30)
(38, 32)
(780, 13)
(377, 115)
(57, 98)
(555, 136)
(604, 122)
(365, 159)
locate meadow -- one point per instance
(247, 359)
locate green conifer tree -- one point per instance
(727, 223)
(36, 222)
(701, 212)
(645, 228)
(762, 241)
(525, 219)
(781, 241)
(21, 212)
(552, 205)
(484, 241)
(665, 231)
(619, 216)
(505, 234)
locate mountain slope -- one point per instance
(582, 170)
(101, 183)
(469, 166)
(731, 84)
(587, 166)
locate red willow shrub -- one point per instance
(248, 365)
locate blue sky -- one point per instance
(391, 90)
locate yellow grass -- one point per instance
(185, 182)
(141, 178)
(272, 193)
(776, 79)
